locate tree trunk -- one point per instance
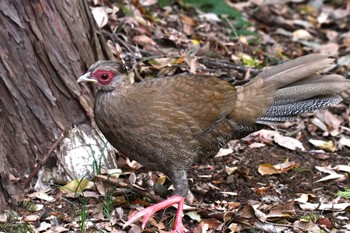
(44, 47)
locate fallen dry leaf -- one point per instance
(333, 175)
(42, 195)
(306, 227)
(288, 142)
(144, 40)
(304, 197)
(101, 15)
(301, 34)
(324, 206)
(269, 169)
(327, 146)
(31, 218)
(286, 210)
(344, 141)
(194, 216)
(75, 186)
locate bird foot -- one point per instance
(179, 228)
(149, 211)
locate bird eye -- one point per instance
(104, 76)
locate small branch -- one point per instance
(131, 187)
(47, 156)
(224, 64)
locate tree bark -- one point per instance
(44, 46)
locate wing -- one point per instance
(196, 100)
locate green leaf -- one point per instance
(219, 7)
(163, 3)
(344, 194)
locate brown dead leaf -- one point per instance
(263, 190)
(269, 169)
(161, 179)
(144, 40)
(286, 166)
(212, 223)
(31, 218)
(188, 24)
(192, 63)
(332, 121)
(306, 227)
(103, 187)
(323, 221)
(286, 210)
(241, 218)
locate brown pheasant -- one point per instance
(168, 123)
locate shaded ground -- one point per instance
(208, 180)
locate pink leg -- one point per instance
(149, 211)
(178, 226)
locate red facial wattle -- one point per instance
(104, 77)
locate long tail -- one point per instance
(282, 92)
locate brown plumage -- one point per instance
(168, 123)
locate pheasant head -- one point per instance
(109, 75)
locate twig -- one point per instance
(47, 156)
(131, 187)
(224, 64)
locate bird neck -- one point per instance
(120, 83)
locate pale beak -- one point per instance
(86, 78)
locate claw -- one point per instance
(149, 211)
